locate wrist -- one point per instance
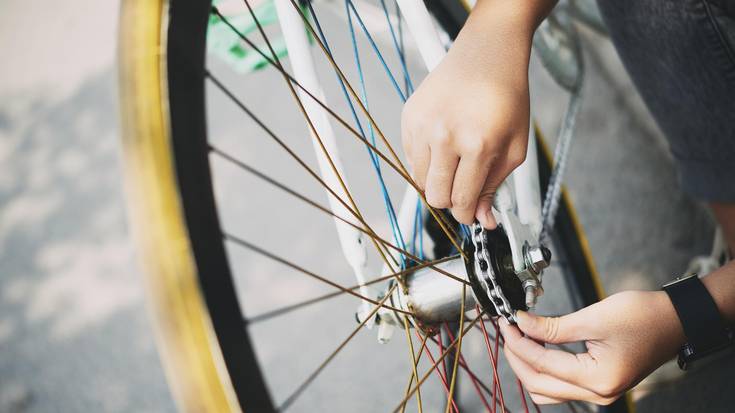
(524, 16)
(721, 286)
(667, 321)
(494, 45)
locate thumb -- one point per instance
(494, 185)
(554, 330)
(484, 209)
(484, 212)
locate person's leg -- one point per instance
(681, 57)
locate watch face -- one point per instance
(680, 279)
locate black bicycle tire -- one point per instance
(185, 50)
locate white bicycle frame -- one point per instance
(517, 204)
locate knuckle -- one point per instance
(516, 158)
(461, 200)
(440, 137)
(438, 132)
(463, 217)
(551, 329)
(609, 389)
(539, 363)
(437, 200)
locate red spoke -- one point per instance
(497, 388)
(440, 372)
(523, 395)
(473, 377)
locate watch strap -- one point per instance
(702, 322)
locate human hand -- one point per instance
(466, 127)
(627, 336)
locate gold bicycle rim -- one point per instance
(191, 356)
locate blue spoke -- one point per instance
(399, 47)
(376, 50)
(376, 162)
(374, 159)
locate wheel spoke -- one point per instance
(449, 348)
(458, 353)
(473, 377)
(367, 230)
(414, 372)
(448, 231)
(293, 155)
(414, 361)
(493, 361)
(241, 242)
(302, 304)
(315, 132)
(300, 389)
(398, 168)
(373, 158)
(522, 394)
(439, 372)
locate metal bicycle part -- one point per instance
(199, 291)
(494, 283)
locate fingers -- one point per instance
(420, 158)
(468, 182)
(483, 209)
(440, 177)
(555, 330)
(572, 368)
(541, 399)
(546, 389)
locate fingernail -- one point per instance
(490, 218)
(521, 315)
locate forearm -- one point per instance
(725, 215)
(721, 285)
(496, 38)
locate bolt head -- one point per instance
(539, 257)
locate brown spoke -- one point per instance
(470, 373)
(367, 230)
(414, 372)
(450, 233)
(290, 151)
(496, 380)
(328, 211)
(241, 242)
(414, 362)
(436, 363)
(441, 372)
(458, 353)
(290, 399)
(315, 133)
(296, 306)
(476, 382)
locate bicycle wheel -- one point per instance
(236, 327)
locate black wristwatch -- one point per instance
(704, 328)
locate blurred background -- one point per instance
(74, 329)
